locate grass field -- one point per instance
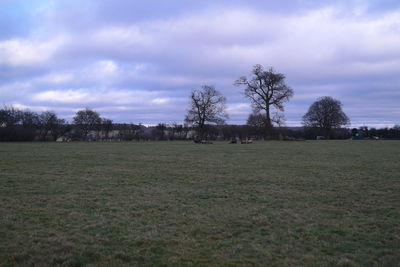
(177, 203)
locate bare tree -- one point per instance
(206, 106)
(86, 120)
(50, 123)
(266, 90)
(159, 131)
(326, 114)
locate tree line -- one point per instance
(205, 119)
(88, 125)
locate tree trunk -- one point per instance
(327, 133)
(201, 132)
(268, 125)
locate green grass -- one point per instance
(332, 203)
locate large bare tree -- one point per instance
(326, 114)
(267, 92)
(206, 106)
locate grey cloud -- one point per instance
(341, 49)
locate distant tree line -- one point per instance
(205, 119)
(25, 125)
(88, 125)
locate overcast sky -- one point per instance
(137, 61)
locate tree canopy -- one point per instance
(266, 90)
(326, 114)
(206, 106)
(86, 120)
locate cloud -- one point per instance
(326, 42)
(68, 96)
(91, 96)
(123, 57)
(22, 52)
(160, 100)
(55, 78)
(125, 36)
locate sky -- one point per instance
(137, 61)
